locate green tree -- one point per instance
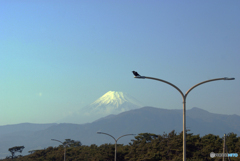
(231, 140)
(15, 149)
(72, 143)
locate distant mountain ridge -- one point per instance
(141, 120)
(8, 129)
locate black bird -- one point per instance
(135, 73)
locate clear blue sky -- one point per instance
(58, 56)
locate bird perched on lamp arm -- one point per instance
(135, 73)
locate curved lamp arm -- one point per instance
(56, 140)
(124, 135)
(107, 134)
(210, 80)
(166, 82)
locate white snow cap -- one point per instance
(115, 98)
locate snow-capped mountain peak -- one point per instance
(110, 103)
(115, 99)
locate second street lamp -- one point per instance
(115, 156)
(64, 145)
(136, 75)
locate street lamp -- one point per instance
(115, 158)
(64, 147)
(184, 101)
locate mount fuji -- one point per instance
(111, 103)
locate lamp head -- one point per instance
(141, 77)
(226, 78)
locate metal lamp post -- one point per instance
(184, 101)
(64, 147)
(115, 157)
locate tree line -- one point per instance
(145, 147)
